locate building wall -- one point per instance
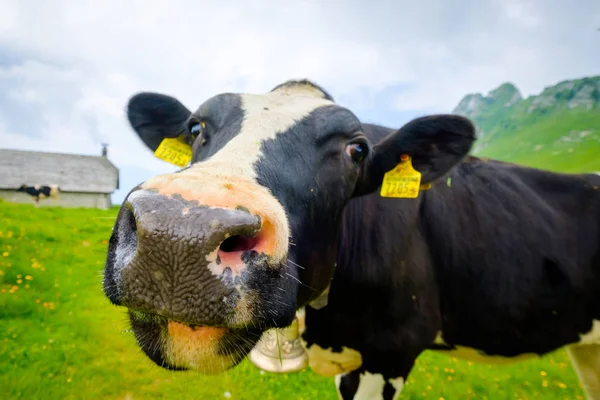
(65, 199)
(72, 172)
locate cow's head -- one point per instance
(207, 258)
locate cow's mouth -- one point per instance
(178, 345)
(202, 282)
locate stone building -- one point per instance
(84, 181)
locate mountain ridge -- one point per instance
(578, 92)
(558, 128)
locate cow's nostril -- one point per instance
(130, 226)
(233, 248)
(238, 243)
(122, 248)
(127, 244)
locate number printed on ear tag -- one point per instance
(401, 182)
(174, 151)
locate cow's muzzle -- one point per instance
(198, 280)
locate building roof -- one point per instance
(71, 172)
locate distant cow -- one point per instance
(282, 200)
(40, 192)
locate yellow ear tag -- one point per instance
(174, 151)
(401, 182)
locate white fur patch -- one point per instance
(301, 315)
(327, 362)
(593, 336)
(371, 386)
(265, 116)
(398, 384)
(322, 300)
(54, 191)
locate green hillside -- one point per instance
(558, 129)
(60, 338)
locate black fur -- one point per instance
(314, 187)
(223, 117)
(156, 116)
(500, 258)
(434, 143)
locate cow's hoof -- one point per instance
(280, 351)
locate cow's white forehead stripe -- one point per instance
(265, 116)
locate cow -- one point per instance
(40, 191)
(283, 203)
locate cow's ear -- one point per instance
(155, 117)
(435, 143)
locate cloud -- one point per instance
(67, 67)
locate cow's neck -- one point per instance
(363, 238)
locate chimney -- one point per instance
(104, 149)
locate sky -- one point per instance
(67, 68)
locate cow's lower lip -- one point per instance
(198, 335)
(197, 348)
(181, 346)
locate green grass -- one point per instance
(61, 339)
(562, 141)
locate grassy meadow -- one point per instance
(61, 339)
(563, 143)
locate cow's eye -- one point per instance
(357, 151)
(196, 128)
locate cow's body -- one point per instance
(496, 263)
(40, 191)
(282, 201)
